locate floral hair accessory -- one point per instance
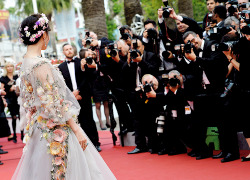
(42, 23)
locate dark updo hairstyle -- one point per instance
(30, 22)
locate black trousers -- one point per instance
(86, 120)
(145, 126)
(122, 100)
(228, 125)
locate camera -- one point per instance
(225, 46)
(134, 52)
(188, 46)
(244, 5)
(89, 60)
(160, 121)
(216, 32)
(147, 87)
(173, 82)
(233, 8)
(166, 9)
(124, 35)
(246, 30)
(152, 33)
(112, 50)
(245, 14)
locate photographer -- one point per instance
(126, 34)
(206, 104)
(241, 63)
(208, 17)
(99, 84)
(183, 24)
(156, 42)
(91, 41)
(175, 135)
(147, 109)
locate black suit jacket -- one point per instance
(81, 77)
(175, 35)
(215, 65)
(149, 65)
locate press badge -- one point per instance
(187, 110)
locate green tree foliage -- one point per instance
(199, 9)
(1, 4)
(44, 6)
(111, 26)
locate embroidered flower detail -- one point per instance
(58, 161)
(59, 135)
(50, 124)
(55, 148)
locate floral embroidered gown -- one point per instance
(52, 150)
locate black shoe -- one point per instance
(3, 152)
(1, 146)
(243, 159)
(10, 139)
(136, 151)
(1, 163)
(220, 155)
(153, 151)
(107, 125)
(163, 151)
(230, 157)
(98, 148)
(203, 156)
(103, 128)
(192, 153)
(125, 131)
(14, 140)
(175, 152)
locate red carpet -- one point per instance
(144, 166)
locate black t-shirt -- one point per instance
(11, 95)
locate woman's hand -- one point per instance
(81, 138)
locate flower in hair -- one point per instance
(27, 33)
(26, 28)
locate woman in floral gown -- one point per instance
(56, 147)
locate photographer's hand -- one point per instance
(151, 94)
(173, 14)
(93, 65)
(145, 34)
(138, 59)
(191, 56)
(116, 58)
(129, 59)
(160, 12)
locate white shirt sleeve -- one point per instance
(160, 20)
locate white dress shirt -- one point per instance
(71, 67)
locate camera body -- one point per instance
(216, 32)
(245, 14)
(246, 30)
(225, 46)
(112, 50)
(166, 10)
(124, 35)
(147, 87)
(89, 60)
(134, 52)
(152, 33)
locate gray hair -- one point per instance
(186, 34)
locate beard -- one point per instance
(70, 56)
